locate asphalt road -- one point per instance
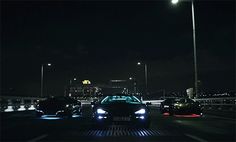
(24, 126)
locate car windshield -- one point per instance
(120, 99)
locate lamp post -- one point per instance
(74, 79)
(194, 46)
(134, 84)
(42, 69)
(146, 76)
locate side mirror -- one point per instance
(148, 103)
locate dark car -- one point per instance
(58, 106)
(167, 106)
(121, 109)
(180, 106)
(3, 104)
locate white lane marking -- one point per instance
(38, 138)
(196, 138)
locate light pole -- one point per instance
(194, 47)
(74, 79)
(42, 68)
(134, 84)
(146, 76)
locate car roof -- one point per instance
(119, 94)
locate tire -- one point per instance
(69, 115)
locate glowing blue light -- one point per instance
(101, 111)
(75, 116)
(100, 117)
(50, 117)
(141, 111)
(141, 117)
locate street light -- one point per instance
(42, 68)
(134, 84)
(194, 46)
(74, 79)
(174, 1)
(145, 74)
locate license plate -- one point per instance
(121, 118)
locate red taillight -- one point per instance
(166, 114)
(190, 115)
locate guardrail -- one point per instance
(16, 103)
(218, 104)
(217, 101)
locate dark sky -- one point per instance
(104, 40)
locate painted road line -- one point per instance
(196, 138)
(38, 138)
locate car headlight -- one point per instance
(178, 105)
(101, 111)
(141, 111)
(166, 106)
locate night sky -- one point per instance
(100, 41)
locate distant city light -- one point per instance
(85, 82)
(9, 109)
(31, 107)
(22, 108)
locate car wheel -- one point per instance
(69, 115)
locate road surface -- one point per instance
(24, 126)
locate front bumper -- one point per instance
(126, 120)
(53, 112)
